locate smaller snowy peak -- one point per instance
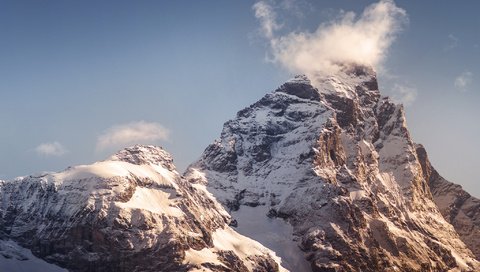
(145, 154)
(132, 212)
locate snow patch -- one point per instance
(274, 233)
(201, 256)
(153, 200)
(227, 239)
(109, 169)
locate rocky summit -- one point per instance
(334, 159)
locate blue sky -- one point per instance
(79, 79)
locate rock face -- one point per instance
(335, 160)
(458, 207)
(132, 212)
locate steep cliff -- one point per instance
(457, 206)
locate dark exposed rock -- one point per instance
(300, 87)
(346, 109)
(226, 162)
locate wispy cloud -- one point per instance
(51, 149)
(267, 17)
(363, 39)
(404, 94)
(452, 42)
(463, 80)
(297, 7)
(131, 133)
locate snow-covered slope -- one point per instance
(457, 206)
(132, 212)
(16, 258)
(336, 162)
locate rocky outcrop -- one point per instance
(457, 206)
(132, 212)
(335, 160)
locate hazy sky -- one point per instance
(81, 79)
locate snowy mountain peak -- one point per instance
(144, 154)
(335, 160)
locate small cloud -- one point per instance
(363, 39)
(132, 133)
(267, 16)
(51, 149)
(463, 80)
(452, 42)
(404, 94)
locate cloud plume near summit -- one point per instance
(363, 39)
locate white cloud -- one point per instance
(363, 39)
(463, 80)
(404, 94)
(132, 133)
(51, 149)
